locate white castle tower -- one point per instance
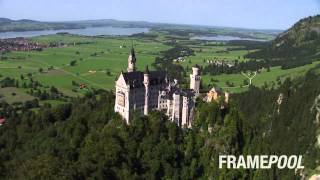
(132, 61)
(195, 80)
(185, 112)
(176, 107)
(146, 83)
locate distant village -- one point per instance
(221, 62)
(215, 61)
(19, 44)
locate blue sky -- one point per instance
(259, 14)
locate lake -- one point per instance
(91, 31)
(223, 38)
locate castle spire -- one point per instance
(146, 71)
(132, 52)
(132, 60)
(146, 82)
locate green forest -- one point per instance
(86, 139)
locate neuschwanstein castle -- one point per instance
(151, 90)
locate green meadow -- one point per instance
(204, 53)
(99, 60)
(218, 51)
(264, 77)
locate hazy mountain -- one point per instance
(304, 35)
(27, 25)
(31, 25)
(299, 43)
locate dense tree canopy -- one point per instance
(86, 139)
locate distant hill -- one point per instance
(301, 43)
(31, 25)
(303, 39)
(5, 20)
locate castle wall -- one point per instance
(154, 94)
(137, 101)
(185, 112)
(176, 109)
(162, 102)
(122, 101)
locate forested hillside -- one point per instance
(86, 139)
(297, 46)
(284, 120)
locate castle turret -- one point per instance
(132, 61)
(146, 82)
(226, 97)
(195, 79)
(185, 112)
(176, 108)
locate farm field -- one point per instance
(13, 95)
(97, 61)
(264, 77)
(203, 54)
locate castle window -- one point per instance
(121, 99)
